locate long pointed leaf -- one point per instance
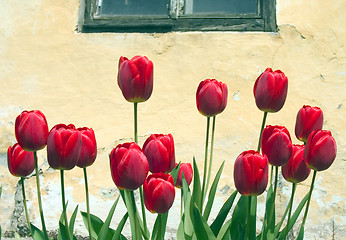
(72, 221)
(269, 201)
(105, 228)
(96, 224)
(202, 230)
(37, 233)
(197, 191)
(120, 227)
(239, 216)
(188, 227)
(175, 173)
(224, 229)
(301, 234)
(63, 231)
(212, 192)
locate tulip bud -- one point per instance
(129, 166)
(276, 144)
(211, 97)
(158, 192)
(89, 148)
(31, 130)
(159, 150)
(20, 163)
(185, 168)
(270, 90)
(251, 173)
(308, 120)
(320, 150)
(63, 146)
(135, 78)
(296, 170)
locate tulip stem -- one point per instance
(132, 209)
(135, 121)
(262, 127)
(64, 202)
(181, 203)
(87, 201)
(248, 218)
(25, 207)
(309, 198)
(39, 196)
(271, 175)
(211, 153)
(294, 185)
(205, 164)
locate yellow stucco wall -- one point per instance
(71, 78)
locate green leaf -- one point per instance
(202, 230)
(301, 233)
(239, 216)
(63, 231)
(269, 202)
(180, 231)
(224, 230)
(188, 227)
(120, 227)
(220, 218)
(72, 221)
(253, 209)
(16, 236)
(105, 231)
(37, 234)
(160, 224)
(212, 192)
(175, 173)
(197, 191)
(96, 224)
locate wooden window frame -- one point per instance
(89, 21)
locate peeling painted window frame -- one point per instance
(91, 21)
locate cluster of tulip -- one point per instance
(130, 164)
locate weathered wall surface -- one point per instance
(71, 78)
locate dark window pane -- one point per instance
(224, 6)
(135, 7)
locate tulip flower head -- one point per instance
(63, 146)
(159, 150)
(20, 162)
(276, 144)
(31, 130)
(211, 97)
(89, 147)
(129, 166)
(185, 168)
(135, 78)
(251, 173)
(308, 119)
(296, 170)
(270, 90)
(320, 150)
(158, 192)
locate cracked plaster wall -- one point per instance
(71, 77)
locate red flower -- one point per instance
(89, 148)
(20, 163)
(135, 78)
(211, 97)
(296, 170)
(308, 120)
(31, 130)
(129, 166)
(63, 146)
(320, 150)
(276, 144)
(158, 192)
(270, 90)
(251, 173)
(185, 168)
(159, 150)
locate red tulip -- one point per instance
(308, 120)
(89, 148)
(135, 78)
(20, 163)
(158, 192)
(159, 150)
(320, 150)
(129, 166)
(31, 130)
(296, 170)
(270, 90)
(185, 168)
(276, 144)
(211, 97)
(251, 173)
(63, 146)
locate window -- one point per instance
(177, 15)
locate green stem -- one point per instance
(205, 163)
(132, 210)
(135, 122)
(262, 127)
(211, 153)
(87, 201)
(294, 185)
(39, 196)
(182, 203)
(271, 175)
(25, 207)
(159, 234)
(310, 193)
(63, 201)
(248, 218)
